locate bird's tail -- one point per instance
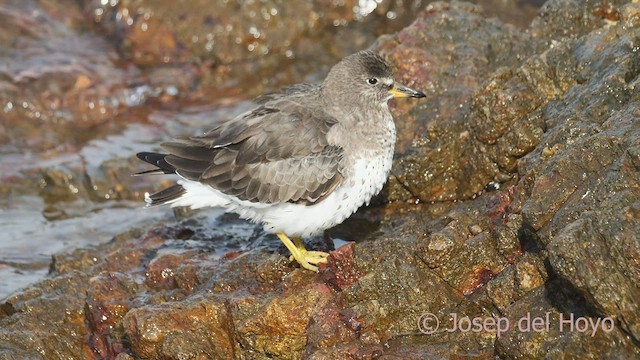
(157, 159)
(165, 196)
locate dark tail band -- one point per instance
(158, 160)
(165, 196)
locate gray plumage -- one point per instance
(275, 153)
(298, 145)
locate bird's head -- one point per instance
(363, 79)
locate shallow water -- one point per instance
(74, 110)
(79, 207)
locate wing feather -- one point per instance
(278, 152)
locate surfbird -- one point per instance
(302, 161)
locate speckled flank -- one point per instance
(367, 177)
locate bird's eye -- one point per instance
(372, 81)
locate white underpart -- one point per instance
(367, 179)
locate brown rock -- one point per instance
(195, 328)
(341, 271)
(279, 326)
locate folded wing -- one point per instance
(279, 152)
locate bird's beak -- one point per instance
(399, 91)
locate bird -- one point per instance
(301, 161)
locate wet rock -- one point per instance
(195, 328)
(110, 296)
(585, 251)
(456, 244)
(50, 333)
(598, 269)
(60, 88)
(435, 133)
(555, 334)
(279, 326)
(56, 81)
(155, 33)
(502, 123)
(341, 271)
(570, 18)
(244, 48)
(516, 281)
(160, 272)
(386, 304)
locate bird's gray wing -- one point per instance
(290, 91)
(276, 153)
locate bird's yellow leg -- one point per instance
(312, 257)
(301, 255)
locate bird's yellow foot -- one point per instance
(307, 259)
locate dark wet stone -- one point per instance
(507, 237)
(109, 297)
(458, 49)
(515, 281)
(589, 254)
(560, 19)
(548, 339)
(161, 272)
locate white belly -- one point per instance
(366, 180)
